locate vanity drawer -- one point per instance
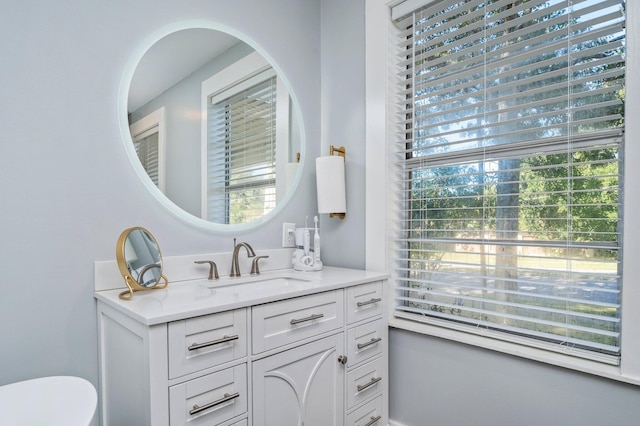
(203, 342)
(364, 382)
(364, 341)
(279, 323)
(243, 422)
(211, 399)
(369, 414)
(364, 301)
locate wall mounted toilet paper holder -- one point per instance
(331, 183)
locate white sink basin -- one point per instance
(258, 282)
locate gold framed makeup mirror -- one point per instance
(140, 261)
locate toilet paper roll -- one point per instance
(330, 181)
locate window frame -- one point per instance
(380, 214)
(238, 76)
(153, 119)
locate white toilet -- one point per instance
(48, 401)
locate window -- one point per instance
(246, 141)
(242, 152)
(148, 141)
(510, 171)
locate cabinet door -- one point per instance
(301, 387)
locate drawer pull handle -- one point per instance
(227, 397)
(373, 381)
(309, 318)
(373, 420)
(369, 302)
(369, 343)
(224, 339)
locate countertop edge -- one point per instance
(331, 278)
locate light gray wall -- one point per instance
(343, 120)
(439, 382)
(67, 189)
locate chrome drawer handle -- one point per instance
(373, 381)
(369, 343)
(227, 397)
(224, 339)
(309, 318)
(369, 302)
(373, 420)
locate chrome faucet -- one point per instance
(235, 267)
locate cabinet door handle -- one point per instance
(224, 339)
(373, 420)
(369, 343)
(309, 318)
(373, 381)
(227, 397)
(369, 302)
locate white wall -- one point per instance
(67, 189)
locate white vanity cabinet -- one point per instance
(197, 344)
(309, 355)
(322, 382)
(302, 385)
(367, 356)
(191, 371)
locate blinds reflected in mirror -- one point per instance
(146, 146)
(148, 136)
(241, 155)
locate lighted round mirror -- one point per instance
(140, 262)
(212, 127)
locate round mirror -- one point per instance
(139, 260)
(212, 128)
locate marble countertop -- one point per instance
(185, 299)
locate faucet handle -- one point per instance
(213, 269)
(255, 270)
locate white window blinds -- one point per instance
(242, 155)
(147, 148)
(509, 168)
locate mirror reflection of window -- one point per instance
(242, 141)
(245, 141)
(147, 149)
(148, 140)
